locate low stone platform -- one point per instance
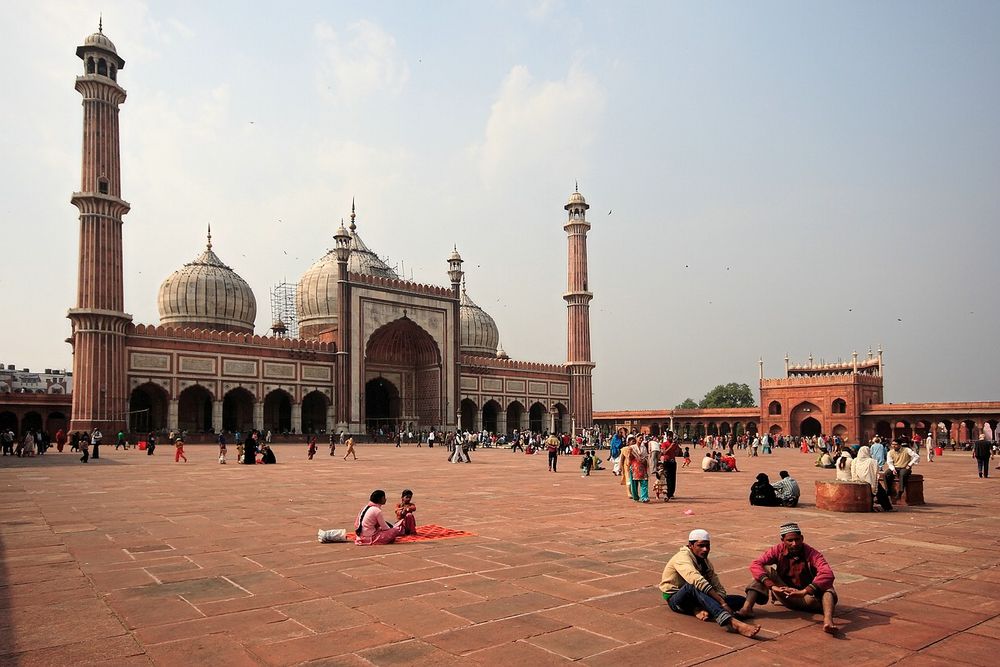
(836, 496)
(135, 560)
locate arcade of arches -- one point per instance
(197, 410)
(808, 419)
(494, 418)
(21, 421)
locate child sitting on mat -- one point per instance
(404, 512)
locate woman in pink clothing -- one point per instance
(371, 527)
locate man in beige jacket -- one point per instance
(690, 586)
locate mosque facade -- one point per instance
(373, 350)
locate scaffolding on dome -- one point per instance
(284, 317)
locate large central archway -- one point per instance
(382, 403)
(404, 356)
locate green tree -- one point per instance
(687, 404)
(730, 395)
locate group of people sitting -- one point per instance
(791, 574)
(247, 452)
(718, 462)
(783, 493)
(371, 527)
(886, 470)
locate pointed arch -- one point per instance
(147, 408)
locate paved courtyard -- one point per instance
(135, 560)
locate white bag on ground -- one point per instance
(335, 535)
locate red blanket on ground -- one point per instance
(433, 532)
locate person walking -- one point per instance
(85, 447)
(350, 449)
(552, 447)
(930, 447)
(95, 440)
(179, 451)
(333, 443)
(982, 451)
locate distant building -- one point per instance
(25, 381)
(33, 400)
(841, 399)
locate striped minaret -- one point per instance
(100, 396)
(578, 296)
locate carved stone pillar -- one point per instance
(296, 418)
(217, 416)
(258, 415)
(172, 412)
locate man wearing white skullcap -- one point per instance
(795, 575)
(690, 586)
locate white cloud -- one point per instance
(542, 9)
(362, 61)
(538, 128)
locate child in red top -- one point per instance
(179, 451)
(312, 448)
(404, 512)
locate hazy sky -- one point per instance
(766, 177)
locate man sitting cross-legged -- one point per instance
(690, 586)
(795, 575)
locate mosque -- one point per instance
(373, 349)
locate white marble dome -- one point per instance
(101, 41)
(480, 336)
(316, 295)
(207, 294)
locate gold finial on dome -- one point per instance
(353, 226)
(209, 247)
(100, 23)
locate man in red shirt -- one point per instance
(795, 575)
(669, 450)
(552, 447)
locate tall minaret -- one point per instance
(100, 396)
(578, 298)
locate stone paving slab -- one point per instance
(137, 560)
